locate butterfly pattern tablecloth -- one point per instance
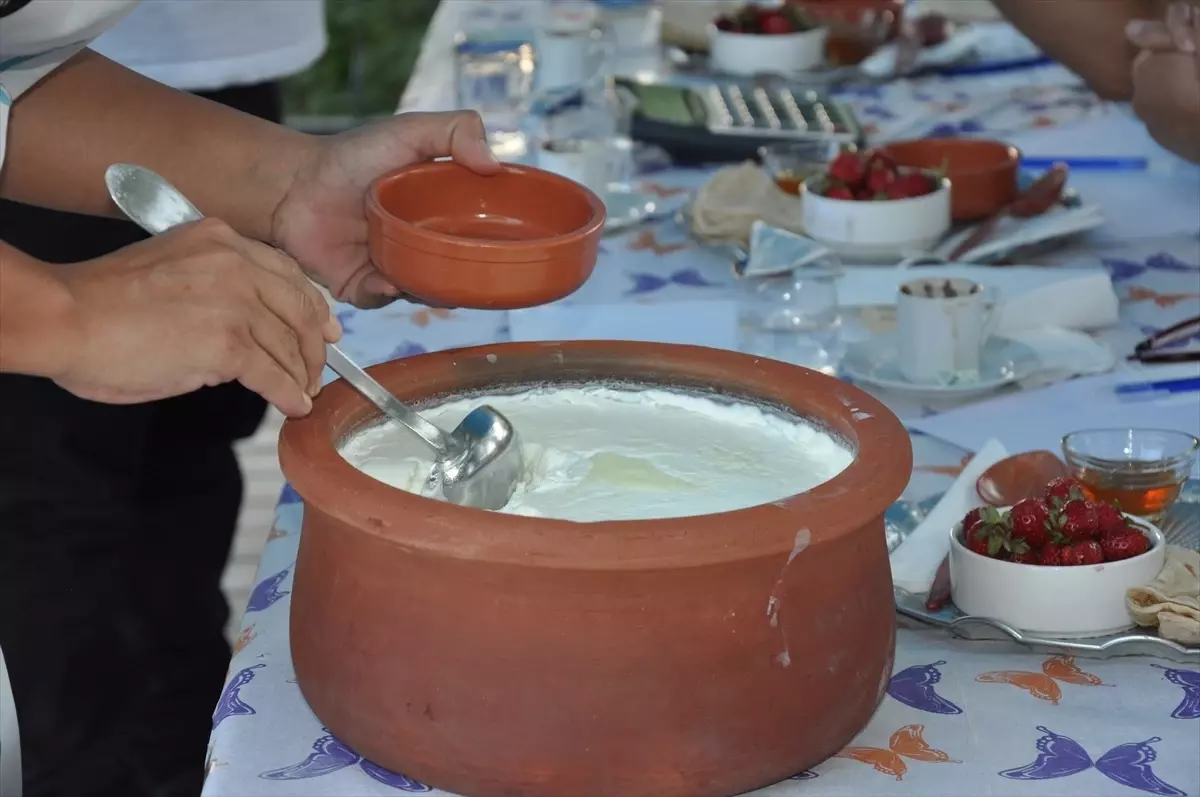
(960, 717)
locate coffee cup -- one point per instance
(595, 163)
(942, 325)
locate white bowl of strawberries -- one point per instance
(1057, 566)
(763, 40)
(866, 208)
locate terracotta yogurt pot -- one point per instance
(454, 238)
(985, 174)
(498, 655)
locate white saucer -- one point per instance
(1002, 362)
(627, 207)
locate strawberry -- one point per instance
(910, 185)
(1050, 555)
(1124, 543)
(971, 518)
(1084, 552)
(1026, 557)
(848, 168)
(1077, 520)
(1109, 518)
(775, 24)
(839, 192)
(726, 24)
(879, 178)
(1031, 522)
(1063, 489)
(989, 535)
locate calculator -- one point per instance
(717, 122)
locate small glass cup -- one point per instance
(1140, 470)
(790, 163)
(793, 316)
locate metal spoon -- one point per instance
(477, 464)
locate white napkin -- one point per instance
(915, 562)
(1083, 302)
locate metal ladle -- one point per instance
(477, 464)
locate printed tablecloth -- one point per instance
(961, 717)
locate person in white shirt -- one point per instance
(118, 488)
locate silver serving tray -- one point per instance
(1180, 527)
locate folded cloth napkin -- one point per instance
(916, 561)
(1172, 602)
(1083, 302)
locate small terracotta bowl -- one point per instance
(984, 173)
(454, 238)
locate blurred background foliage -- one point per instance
(373, 45)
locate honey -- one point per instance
(789, 183)
(1145, 489)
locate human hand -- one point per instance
(198, 306)
(321, 220)
(1166, 78)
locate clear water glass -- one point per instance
(793, 316)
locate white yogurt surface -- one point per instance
(600, 453)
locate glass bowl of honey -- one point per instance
(790, 163)
(1139, 470)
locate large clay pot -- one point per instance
(502, 656)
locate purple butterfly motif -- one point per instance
(231, 704)
(1165, 261)
(330, 755)
(914, 687)
(344, 317)
(1189, 682)
(266, 593)
(644, 283)
(1120, 270)
(807, 774)
(406, 349)
(862, 91)
(288, 496)
(878, 111)
(1128, 764)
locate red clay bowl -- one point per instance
(984, 173)
(496, 655)
(453, 238)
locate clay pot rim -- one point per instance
(1011, 163)
(331, 485)
(405, 233)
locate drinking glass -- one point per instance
(1141, 470)
(793, 316)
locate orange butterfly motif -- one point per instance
(1140, 294)
(646, 240)
(1044, 685)
(422, 318)
(244, 639)
(661, 191)
(908, 742)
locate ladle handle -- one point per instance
(176, 209)
(388, 404)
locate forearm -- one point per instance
(1086, 36)
(37, 326)
(92, 112)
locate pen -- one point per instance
(1089, 164)
(1186, 385)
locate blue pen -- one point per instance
(1185, 385)
(1090, 164)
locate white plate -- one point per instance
(1002, 362)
